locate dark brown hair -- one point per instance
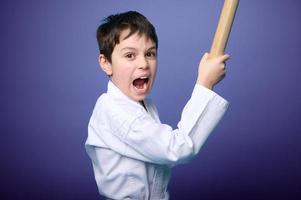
(108, 33)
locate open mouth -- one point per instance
(140, 83)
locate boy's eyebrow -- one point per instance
(153, 47)
(134, 49)
(128, 48)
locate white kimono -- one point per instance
(132, 151)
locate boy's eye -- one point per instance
(130, 55)
(151, 54)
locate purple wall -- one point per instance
(50, 80)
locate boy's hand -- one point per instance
(211, 70)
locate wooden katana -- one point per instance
(223, 28)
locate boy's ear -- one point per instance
(105, 65)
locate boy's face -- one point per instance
(133, 65)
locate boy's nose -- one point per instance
(143, 63)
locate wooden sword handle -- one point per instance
(223, 28)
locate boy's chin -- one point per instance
(138, 97)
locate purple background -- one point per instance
(50, 80)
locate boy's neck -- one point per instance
(142, 103)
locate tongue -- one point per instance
(138, 83)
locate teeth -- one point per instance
(144, 77)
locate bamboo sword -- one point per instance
(223, 28)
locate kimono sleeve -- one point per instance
(145, 139)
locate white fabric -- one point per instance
(132, 151)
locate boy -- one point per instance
(131, 151)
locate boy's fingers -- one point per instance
(224, 58)
(221, 58)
